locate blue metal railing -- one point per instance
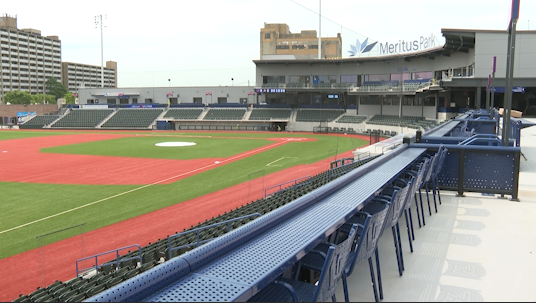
(487, 139)
(197, 230)
(296, 185)
(116, 251)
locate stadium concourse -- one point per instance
(56, 261)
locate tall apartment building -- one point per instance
(278, 42)
(77, 75)
(28, 59)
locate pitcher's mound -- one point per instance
(175, 144)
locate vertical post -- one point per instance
(487, 95)
(478, 103)
(461, 173)
(510, 72)
(515, 185)
(493, 84)
(320, 30)
(101, 53)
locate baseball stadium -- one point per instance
(282, 191)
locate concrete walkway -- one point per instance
(476, 248)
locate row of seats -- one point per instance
(82, 118)
(109, 274)
(183, 113)
(225, 114)
(394, 120)
(267, 114)
(352, 119)
(357, 239)
(133, 118)
(40, 121)
(318, 115)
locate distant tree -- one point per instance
(55, 88)
(18, 97)
(49, 99)
(69, 99)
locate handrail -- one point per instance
(105, 253)
(295, 184)
(363, 153)
(387, 146)
(197, 230)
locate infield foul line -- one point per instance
(142, 187)
(270, 164)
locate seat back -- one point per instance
(398, 202)
(430, 170)
(333, 268)
(418, 177)
(441, 162)
(371, 233)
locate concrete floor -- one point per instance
(476, 248)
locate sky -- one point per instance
(162, 43)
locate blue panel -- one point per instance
(489, 171)
(450, 172)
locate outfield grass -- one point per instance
(23, 203)
(20, 134)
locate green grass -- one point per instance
(23, 203)
(144, 147)
(19, 134)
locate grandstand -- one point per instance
(132, 118)
(270, 114)
(394, 120)
(317, 115)
(183, 113)
(225, 114)
(38, 122)
(352, 119)
(82, 118)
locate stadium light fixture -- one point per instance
(99, 22)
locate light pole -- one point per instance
(232, 81)
(169, 82)
(99, 22)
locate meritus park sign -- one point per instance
(386, 48)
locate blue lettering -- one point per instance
(422, 41)
(391, 48)
(384, 49)
(415, 45)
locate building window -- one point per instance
(198, 100)
(282, 47)
(324, 79)
(422, 75)
(354, 79)
(298, 47)
(111, 101)
(299, 79)
(313, 46)
(148, 100)
(407, 101)
(379, 77)
(430, 101)
(273, 79)
(370, 100)
(222, 100)
(134, 100)
(400, 77)
(267, 36)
